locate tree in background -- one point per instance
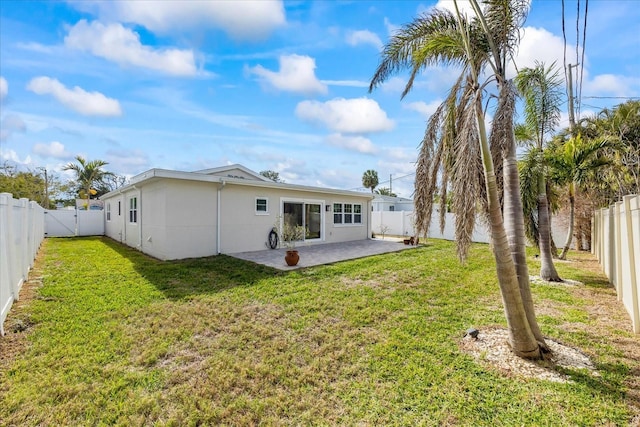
(385, 191)
(110, 182)
(89, 174)
(540, 88)
(32, 185)
(575, 163)
(370, 179)
(621, 126)
(272, 175)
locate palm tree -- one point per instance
(370, 179)
(385, 191)
(88, 174)
(456, 145)
(540, 88)
(573, 162)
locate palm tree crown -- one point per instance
(370, 179)
(88, 173)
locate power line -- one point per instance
(564, 57)
(584, 43)
(611, 97)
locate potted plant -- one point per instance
(290, 234)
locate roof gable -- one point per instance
(234, 171)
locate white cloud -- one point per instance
(122, 45)
(346, 83)
(463, 5)
(12, 156)
(55, 149)
(391, 28)
(296, 74)
(4, 87)
(355, 38)
(127, 161)
(11, 123)
(538, 44)
(243, 20)
(352, 143)
(356, 115)
(422, 107)
(77, 99)
(612, 85)
(394, 84)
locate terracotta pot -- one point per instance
(292, 258)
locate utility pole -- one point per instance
(390, 184)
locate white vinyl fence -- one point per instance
(616, 244)
(400, 223)
(21, 233)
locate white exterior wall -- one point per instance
(244, 230)
(190, 220)
(132, 235)
(153, 219)
(114, 227)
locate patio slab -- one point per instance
(325, 253)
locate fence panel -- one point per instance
(618, 251)
(90, 223)
(401, 223)
(69, 223)
(21, 233)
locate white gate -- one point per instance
(59, 223)
(67, 223)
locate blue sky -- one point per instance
(271, 85)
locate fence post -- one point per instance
(618, 250)
(21, 244)
(633, 259)
(6, 293)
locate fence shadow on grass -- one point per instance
(184, 278)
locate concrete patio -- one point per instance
(326, 253)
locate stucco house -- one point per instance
(174, 215)
(382, 203)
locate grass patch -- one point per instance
(116, 337)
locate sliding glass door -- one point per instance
(304, 214)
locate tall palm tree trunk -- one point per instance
(552, 243)
(547, 268)
(521, 337)
(514, 224)
(572, 203)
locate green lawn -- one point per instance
(115, 337)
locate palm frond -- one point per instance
(430, 39)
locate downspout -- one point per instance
(369, 227)
(139, 213)
(218, 222)
(123, 221)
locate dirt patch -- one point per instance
(17, 325)
(491, 347)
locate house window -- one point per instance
(108, 211)
(347, 213)
(133, 210)
(392, 208)
(337, 213)
(262, 206)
